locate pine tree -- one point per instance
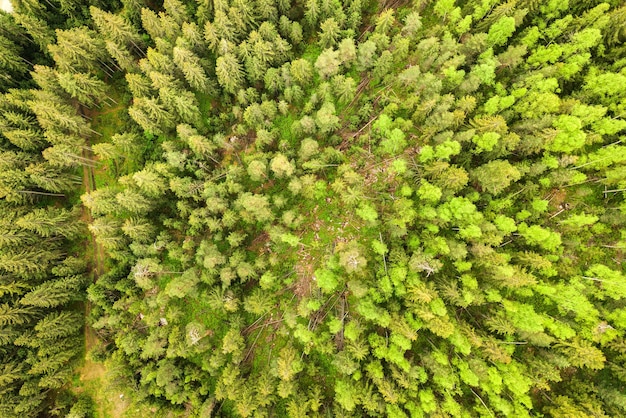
(229, 73)
(327, 63)
(52, 114)
(133, 202)
(100, 201)
(182, 103)
(49, 222)
(344, 87)
(116, 29)
(256, 206)
(330, 33)
(63, 155)
(54, 293)
(190, 66)
(78, 49)
(38, 29)
(193, 36)
(124, 58)
(11, 62)
(151, 115)
(87, 89)
(177, 10)
(302, 71)
(139, 85)
(26, 139)
(159, 26)
(47, 79)
(139, 229)
(496, 176)
(150, 182)
(58, 325)
(33, 261)
(385, 21)
(11, 315)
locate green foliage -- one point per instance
(316, 208)
(496, 176)
(501, 31)
(326, 280)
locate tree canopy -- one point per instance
(313, 208)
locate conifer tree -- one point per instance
(189, 64)
(53, 293)
(116, 29)
(229, 72)
(78, 49)
(37, 28)
(49, 222)
(87, 89)
(382, 211)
